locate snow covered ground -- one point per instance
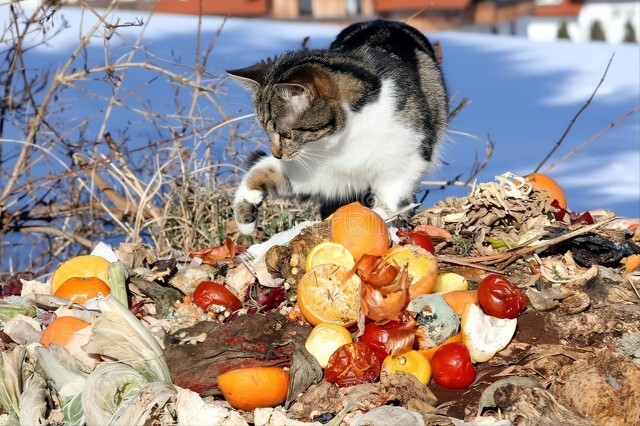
(523, 94)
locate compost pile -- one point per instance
(338, 329)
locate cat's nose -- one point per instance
(276, 145)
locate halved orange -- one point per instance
(81, 289)
(421, 266)
(80, 266)
(329, 252)
(254, 387)
(327, 293)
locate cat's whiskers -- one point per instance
(300, 160)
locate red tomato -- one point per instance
(209, 293)
(451, 366)
(499, 298)
(376, 336)
(418, 238)
(352, 364)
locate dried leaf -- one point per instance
(304, 372)
(211, 255)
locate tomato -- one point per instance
(451, 366)
(352, 364)
(209, 293)
(499, 298)
(375, 336)
(412, 362)
(418, 238)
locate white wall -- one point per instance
(612, 15)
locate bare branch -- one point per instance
(575, 117)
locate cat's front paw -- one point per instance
(246, 216)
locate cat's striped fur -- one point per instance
(362, 120)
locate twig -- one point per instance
(543, 245)
(575, 117)
(594, 137)
(55, 231)
(458, 261)
(37, 120)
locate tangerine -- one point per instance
(327, 293)
(80, 266)
(254, 387)
(61, 330)
(360, 229)
(421, 266)
(81, 289)
(544, 183)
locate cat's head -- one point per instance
(295, 106)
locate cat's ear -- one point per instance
(253, 76)
(298, 95)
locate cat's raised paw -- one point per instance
(246, 215)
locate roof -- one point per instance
(415, 5)
(214, 7)
(562, 8)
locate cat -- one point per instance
(360, 121)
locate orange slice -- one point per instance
(329, 253)
(327, 294)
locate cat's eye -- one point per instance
(286, 134)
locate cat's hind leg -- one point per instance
(264, 177)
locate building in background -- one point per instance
(613, 21)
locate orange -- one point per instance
(327, 293)
(542, 182)
(324, 339)
(428, 353)
(80, 266)
(81, 289)
(412, 362)
(254, 387)
(61, 330)
(329, 252)
(360, 230)
(457, 300)
(421, 266)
